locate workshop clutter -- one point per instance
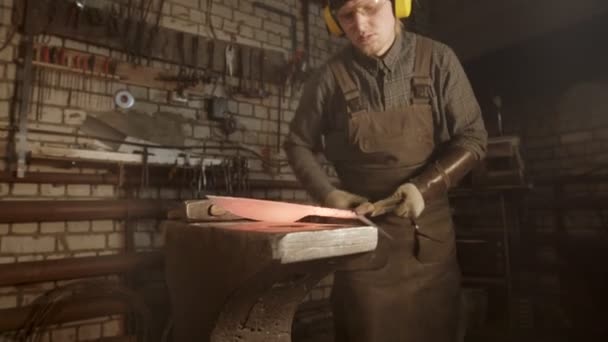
(78, 72)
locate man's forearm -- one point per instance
(308, 171)
(445, 172)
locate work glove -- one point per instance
(406, 201)
(340, 199)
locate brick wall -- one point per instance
(65, 108)
(554, 92)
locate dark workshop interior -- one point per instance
(120, 120)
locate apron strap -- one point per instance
(422, 84)
(348, 87)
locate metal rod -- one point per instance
(25, 88)
(75, 268)
(110, 178)
(44, 211)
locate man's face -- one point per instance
(368, 24)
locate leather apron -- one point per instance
(409, 288)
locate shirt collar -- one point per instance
(400, 48)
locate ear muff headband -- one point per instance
(331, 23)
(401, 8)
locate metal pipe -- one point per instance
(110, 178)
(74, 268)
(60, 178)
(44, 211)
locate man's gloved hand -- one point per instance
(406, 201)
(340, 199)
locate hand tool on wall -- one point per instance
(25, 90)
(230, 56)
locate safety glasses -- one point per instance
(367, 8)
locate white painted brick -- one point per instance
(245, 108)
(142, 239)
(89, 332)
(79, 190)
(84, 254)
(180, 12)
(112, 328)
(57, 97)
(288, 115)
(231, 27)
(78, 226)
(64, 335)
(251, 20)
(51, 114)
(4, 110)
(102, 225)
(246, 31)
(6, 91)
(72, 44)
(7, 54)
(52, 190)
(248, 42)
(24, 189)
(5, 189)
(28, 258)
(7, 260)
(24, 228)
(217, 23)
(179, 25)
(261, 112)
(274, 39)
(80, 242)
(260, 35)
(11, 72)
(7, 302)
(108, 252)
(116, 240)
(57, 256)
(197, 16)
(139, 93)
(52, 227)
(97, 50)
(274, 27)
(185, 112)
(187, 130)
(286, 43)
(145, 107)
(252, 124)
(74, 116)
(27, 244)
(189, 3)
(3, 229)
(158, 95)
(223, 11)
(103, 190)
(202, 132)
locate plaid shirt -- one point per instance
(384, 84)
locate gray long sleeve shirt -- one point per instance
(384, 84)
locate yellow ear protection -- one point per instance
(401, 8)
